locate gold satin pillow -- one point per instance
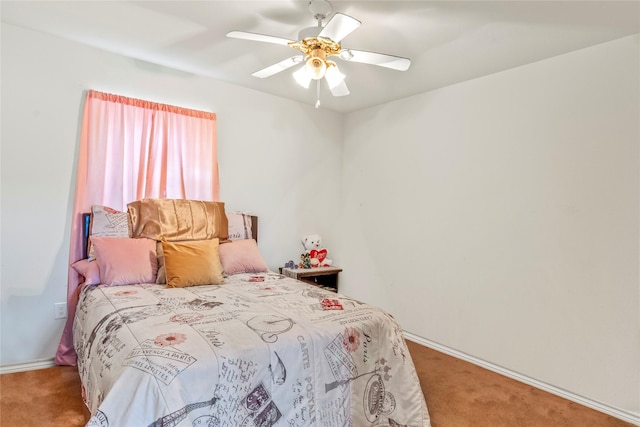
(178, 220)
(161, 278)
(192, 263)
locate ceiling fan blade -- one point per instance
(258, 37)
(340, 89)
(339, 26)
(280, 66)
(383, 60)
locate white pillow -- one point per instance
(239, 226)
(107, 222)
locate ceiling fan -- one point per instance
(319, 43)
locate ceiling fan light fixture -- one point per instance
(302, 78)
(316, 67)
(316, 64)
(333, 76)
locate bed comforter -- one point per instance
(260, 350)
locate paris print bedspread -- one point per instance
(259, 350)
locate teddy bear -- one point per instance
(313, 246)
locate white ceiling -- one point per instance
(447, 41)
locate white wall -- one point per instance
(278, 158)
(499, 217)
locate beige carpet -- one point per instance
(458, 394)
(45, 398)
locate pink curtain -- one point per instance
(131, 149)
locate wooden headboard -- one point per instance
(86, 227)
(254, 227)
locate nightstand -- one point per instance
(324, 277)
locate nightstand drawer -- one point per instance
(325, 277)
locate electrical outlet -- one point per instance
(60, 310)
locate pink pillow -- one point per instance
(89, 270)
(242, 256)
(124, 261)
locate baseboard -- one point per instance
(598, 406)
(29, 366)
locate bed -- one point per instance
(258, 349)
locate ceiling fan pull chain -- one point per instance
(317, 93)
